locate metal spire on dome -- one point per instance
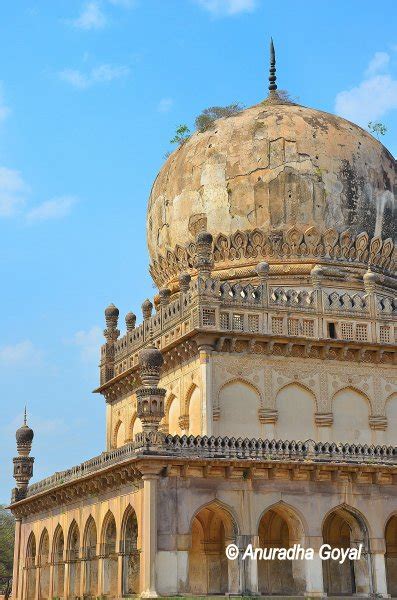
(272, 69)
(24, 417)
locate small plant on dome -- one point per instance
(377, 128)
(208, 116)
(182, 134)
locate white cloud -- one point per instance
(57, 208)
(379, 62)
(369, 101)
(227, 7)
(21, 352)
(91, 17)
(4, 109)
(165, 105)
(373, 97)
(89, 343)
(13, 192)
(101, 74)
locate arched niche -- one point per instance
(280, 527)
(30, 564)
(210, 572)
(44, 565)
(195, 412)
(296, 406)
(391, 555)
(109, 536)
(119, 435)
(130, 552)
(73, 553)
(239, 403)
(91, 559)
(345, 528)
(351, 417)
(173, 414)
(59, 562)
(391, 415)
(136, 426)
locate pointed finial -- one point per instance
(272, 70)
(24, 417)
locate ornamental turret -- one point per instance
(150, 398)
(23, 463)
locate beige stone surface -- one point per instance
(272, 167)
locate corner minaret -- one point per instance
(23, 463)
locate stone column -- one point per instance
(205, 351)
(248, 567)
(316, 275)
(66, 580)
(17, 550)
(100, 575)
(314, 570)
(51, 580)
(378, 547)
(120, 559)
(370, 280)
(149, 535)
(83, 568)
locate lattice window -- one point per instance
(238, 322)
(225, 321)
(307, 328)
(253, 323)
(384, 334)
(293, 326)
(208, 315)
(277, 325)
(361, 332)
(346, 330)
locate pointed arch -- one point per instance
(129, 550)
(44, 565)
(108, 521)
(300, 385)
(353, 388)
(73, 554)
(281, 525)
(58, 558)
(351, 409)
(239, 402)
(391, 554)
(344, 527)
(31, 548)
(109, 552)
(193, 404)
(212, 528)
(30, 564)
(90, 541)
(73, 544)
(44, 547)
(244, 381)
(296, 405)
(118, 438)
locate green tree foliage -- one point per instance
(377, 128)
(7, 528)
(182, 133)
(206, 119)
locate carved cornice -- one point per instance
(244, 248)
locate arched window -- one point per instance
(74, 560)
(119, 435)
(351, 417)
(109, 556)
(59, 563)
(129, 549)
(91, 559)
(239, 403)
(31, 567)
(296, 407)
(44, 565)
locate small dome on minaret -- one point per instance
(24, 437)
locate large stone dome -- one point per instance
(279, 181)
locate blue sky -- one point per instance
(90, 95)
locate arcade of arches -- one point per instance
(103, 559)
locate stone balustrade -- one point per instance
(222, 448)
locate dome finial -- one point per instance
(24, 417)
(272, 69)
